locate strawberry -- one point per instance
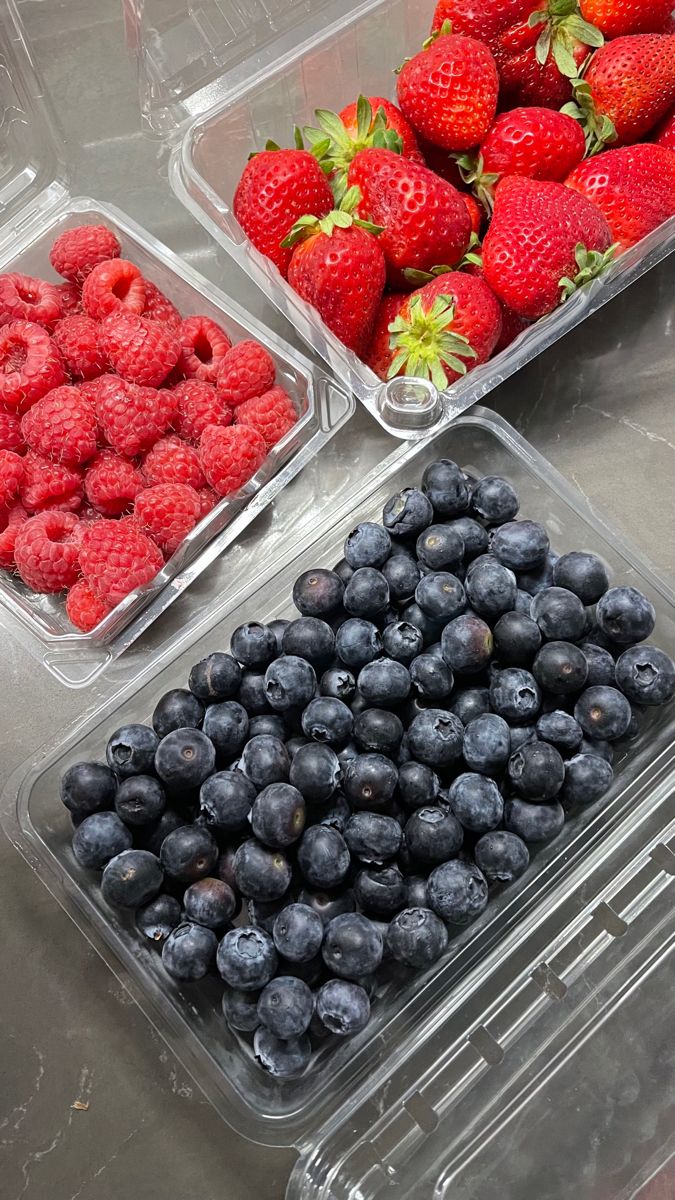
(618, 18)
(378, 356)
(441, 162)
(664, 134)
(544, 242)
(424, 219)
(371, 121)
(634, 187)
(338, 266)
(278, 187)
(449, 90)
(628, 87)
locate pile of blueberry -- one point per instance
(351, 786)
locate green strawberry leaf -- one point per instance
(564, 59)
(364, 118)
(270, 145)
(331, 125)
(298, 138)
(590, 265)
(562, 8)
(583, 31)
(543, 45)
(426, 343)
(540, 17)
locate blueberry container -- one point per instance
(219, 79)
(444, 1094)
(36, 206)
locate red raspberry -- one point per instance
(45, 553)
(11, 519)
(84, 608)
(116, 558)
(140, 350)
(113, 286)
(111, 483)
(272, 415)
(247, 371)
(205, 345)
(10, 431)
(159, 308)
(62, 426)
(198, 406)
(77, 251)
(77, 339)
(231, 456)
(49, 485)
(11, 475)
(133, 418)
(70, 299)
(23, 298)
(91, 389)
(171, 460)
(207, 500)
(167, 512)
(30, 364)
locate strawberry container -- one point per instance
(445, 1092)
(37, 207)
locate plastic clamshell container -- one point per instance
(232, 75)
(36, 208)
(452, 1055)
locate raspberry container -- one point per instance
(37, 207)
(444, 1094)
(218, 79)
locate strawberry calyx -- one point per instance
(590, 264)
(335, 147)
(472, 257)
(598, 127)
(270, 144)
(342, 217)
(562, 29)
(481, 182)
(425, 342)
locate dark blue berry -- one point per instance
(467, 644)
(298, 933)
(151, 837)
(402, 641)
(560, 668)
(131, 750)
(358, 642)
(517, 639)
(140, 800)
(416, 937)
(429, 628)
(290, 682)
(318, 592)
(310, 638)
(487, 744)
(625, 615)
(561, 730)
(226, 725)
(603, 712)
(407, 513)
(416, 892)
(270, 724)
(433, 835)
(240, 1010)
(175, 710)
(366, 594)
(338, 683)
(326, 905)
(501, 856)
(378, 731)
(533, 822)
(521, 734)
(369, 781)
(323, 857)
(440, 548)
(315, 771)
(520, 545)
(253, 645)
(440, 595)
(210, 902)
(559, 614)
(252, 693)
(587, 778)
(402, 575)
(435, 737)
(494, 499)
(265, 760)
(281, 1058)
(189, 853)
(474, 536)
(216, 677)
(246, 958)
(470, 703)
(458, 892)
(336, 813)
(99, 838)
(384, 682)
(263, 913)
(343, 1007)
(352, 946)
(597, 747)
(523, 603)
(285, 1006)
(490, 587)
(343, 571)
(369, 545)
(86, 788)
(536, 771)
(431, 677)
(533, 582)
(157, 919)
(189, 952)
(225, 801)
(476, 802)
(515, 695)
(646, 675)
(601, 670)
(185, 758)
(260, 873)
(446, 486)
(582, 573)
(380, 890)
(131, 879)
(278, 815)
(418, 785)
(373, 837)
(328, 720)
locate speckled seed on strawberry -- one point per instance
(634, 188)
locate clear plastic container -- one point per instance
(36, 208)
(220, 78)
(425, 1093)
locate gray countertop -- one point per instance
(599, 405)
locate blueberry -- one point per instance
(261, 874)
(270, 724)
(470, 703)
(265, 760)
(517, 639)
(225, 800)
(315, 771)
(210, 902)
(318, 592)
(263, 913)
(216, 677)
(378, 731)
(533, 822)
(224, 868)
(597, 747)
(298, 933)
(352, 946)
(474, 536)
(175, 710)
(335, 814)
(587, 778)
(520, 545)
(435, 737)
(131, 750)
(521, 734)
(402, 575)
(541, 577)
(86, 788)
(380, 890)
(431, 677)
(476, 801)
(440, 548)
(384, 682)
(140, 800)
(523, 602)
(157, 919)
(189, 853)
(366, 594)
(603, 712)
(626, 615)
(343, 1007)
(240, 1010)
(407, 513)
(501, 856)
(310, 638)
(600, 665)
(285, 1007)
(278, 815)
(561, 668)
(446, 486)
(458, 892)
(290, 682)
(327, 719)
(402, 641)
(369, 781)
(151, 837)
(581, 573)
(372, 837)
(536, 771)
(416, 937)
(440, 595)
(369, 545)
(323, 857)
(515, 695)
(358, 642)
(467, 644)
(343, 571)
(226, 725)
(185, 758)
(131, 879)
(283, 1059)
(433, 835)
(561, 730)
(189, 952)
(487, 744)
(430, 629)
(246, 958)
(559, 614)
(99, 838)
(494, 499)
(253, 645)
(646, 675)
(326, 905)
(252, 693)
(418, 785)
(338, 683)
(490, 587)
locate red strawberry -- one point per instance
(628, 87)
(424, 219)
(617, 18)
(442, 163)
(278, 187)
(371, 121)
(634, 187)
(449, 91)
(544, 241)
(378, 356)
(338, 266)
(664, 134)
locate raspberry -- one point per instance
(10, 431)
(198, 406)
(62, 426)
(70, 299)
(77, 251)
(30, 364)
(159, 308)
(23, 298)
(11, 519)
(11, 475)
(77, 339)
(116, 558)
(133, 418)
(113, 286)
(171, 460)
(84, 608)
(45, 553)
(272, 414)
(204, 346)
(247, 371)
(91, 389)
(48, 484)
(140, 350)
(111, 483)
(231, 456)
(167, 512)
(207, 501)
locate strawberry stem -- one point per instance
(335, 147)
(481, 182)
(590, 264)
(598, 128)
(342, 217)
(562, 30)
(426, 344)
